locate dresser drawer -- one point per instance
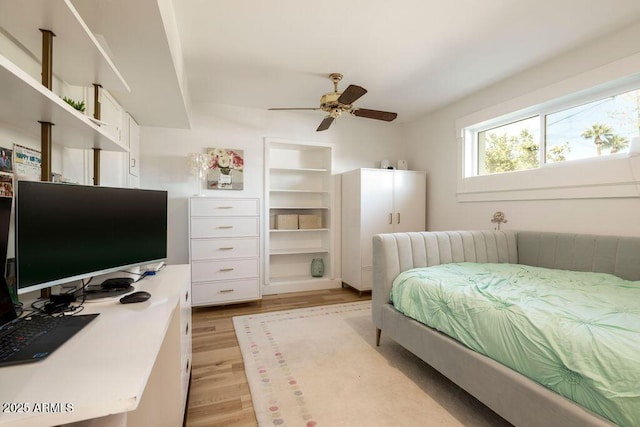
(227, 291)
(237, 247)
(224, 227)
(224, 207)
(202, 271)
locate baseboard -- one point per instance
(283, 287)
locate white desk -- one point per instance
(129, 366)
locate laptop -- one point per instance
(28, 339)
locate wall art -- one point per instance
(226, 171)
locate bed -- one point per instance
(519, 399)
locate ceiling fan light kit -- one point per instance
(335, 103)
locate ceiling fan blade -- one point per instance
(351, 94)
(290, 109)
(374, 114)
(325, 123)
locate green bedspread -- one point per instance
(576, 333)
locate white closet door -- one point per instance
(409, 201)
(377, 209)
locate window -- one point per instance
(593, 129)
(510, 147)
(598, 128)
(577, 138)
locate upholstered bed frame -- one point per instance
(519, 400)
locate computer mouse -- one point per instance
(139, 296)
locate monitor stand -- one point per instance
(98, 293)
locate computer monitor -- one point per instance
(67, 232)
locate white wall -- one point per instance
(358, 143)
(429, 143)
(432, 142)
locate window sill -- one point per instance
(611, 177)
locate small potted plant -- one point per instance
(77, 105)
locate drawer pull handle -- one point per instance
(227, 269)
(230, 248)
(226, 291)
(226, 226)
(224, 207)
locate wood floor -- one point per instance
(219, 394)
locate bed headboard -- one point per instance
(397, 252)
(616, 255)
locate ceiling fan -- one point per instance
(335, 103)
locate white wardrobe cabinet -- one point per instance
(376, 201)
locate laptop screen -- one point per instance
(7, 311)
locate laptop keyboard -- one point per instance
(21, 333)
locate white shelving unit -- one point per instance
(78, 57)
(78, 60)
(298, 181)
(25, 102)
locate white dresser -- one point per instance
(224, 250)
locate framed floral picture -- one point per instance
(226, 169)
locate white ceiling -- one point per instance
(413, 56)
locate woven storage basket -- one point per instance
(309, 221)
(286, 222)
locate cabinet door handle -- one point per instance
(226, 291)
(227, 269)
(398, 217)
(390, 218)
(226, 226)
(230, 248)
(224, 207)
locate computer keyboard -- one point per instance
(19, 334)
(34, 338)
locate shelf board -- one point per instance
(299, 207)
(282, 190)
(297, 170)
(278, 284)
(26, 101)
(298, 251)
(275, 281)
(298, 230)
(298, 146)
(78, 58)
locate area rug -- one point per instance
(320, 367)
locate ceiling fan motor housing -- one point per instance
(329, 101)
